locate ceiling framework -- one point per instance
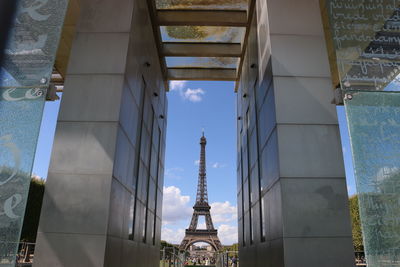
(201, 39)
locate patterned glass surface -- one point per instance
(24, 78)
(20, 117)
(202, 62)
(374, 126)
(29, 56)
(202, 4)
(366, 42)
(202, 34)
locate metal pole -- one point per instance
(7, 13)
(163, 257)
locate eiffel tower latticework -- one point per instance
(201, 208)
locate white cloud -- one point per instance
(172, 236)
(194, 95)
(177, 85)
(174, 173)
(228, 234)
(175, 206)
(218, 165)
(223, 212)
(197, 162)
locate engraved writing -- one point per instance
(12, 94)
(33, 10)
(9, 206)
(366, 36)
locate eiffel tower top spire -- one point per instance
(202, 195)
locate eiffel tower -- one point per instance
(201, 208)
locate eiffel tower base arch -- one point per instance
(207, 236)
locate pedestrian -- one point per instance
(234, 262)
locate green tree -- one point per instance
(356, 224)
(32, 211)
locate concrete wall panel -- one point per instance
(77, 250)
(314, 207)
(99, 53)
(84, 148)
(310, 151)
(92, 91)
(327, 252)
(299, 55)
(66, 212)
(295, 17)
(304, 100)
(105, 16)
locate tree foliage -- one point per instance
(356, 224)
(32, 211)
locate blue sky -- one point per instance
(192, 107)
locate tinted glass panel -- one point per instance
(202, 4)
(202, 62)
(202, 34)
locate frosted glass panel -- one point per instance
(20, 117)
(29, 56)
(24, 78)
(374, 126)
(366, 38)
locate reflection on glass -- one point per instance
(374, 126)
(202, 34)
(202, 62)
(202, 4)
(131, 218)
(366, 39)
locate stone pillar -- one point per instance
(102, 205)
(303, 198)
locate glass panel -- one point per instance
(366, 36)
(159, 203)
(202, 62)
(30, 53)
(374, 127)
(24, 77)
(152, 196)
(20, 118)
(202, 34)
(263, 217)
(202, 4)
(131, 218)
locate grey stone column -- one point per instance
(92, 187)
(312, 186)
(293, 203)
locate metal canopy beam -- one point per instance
(202, 49)
(231, 18)
(202, 74)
